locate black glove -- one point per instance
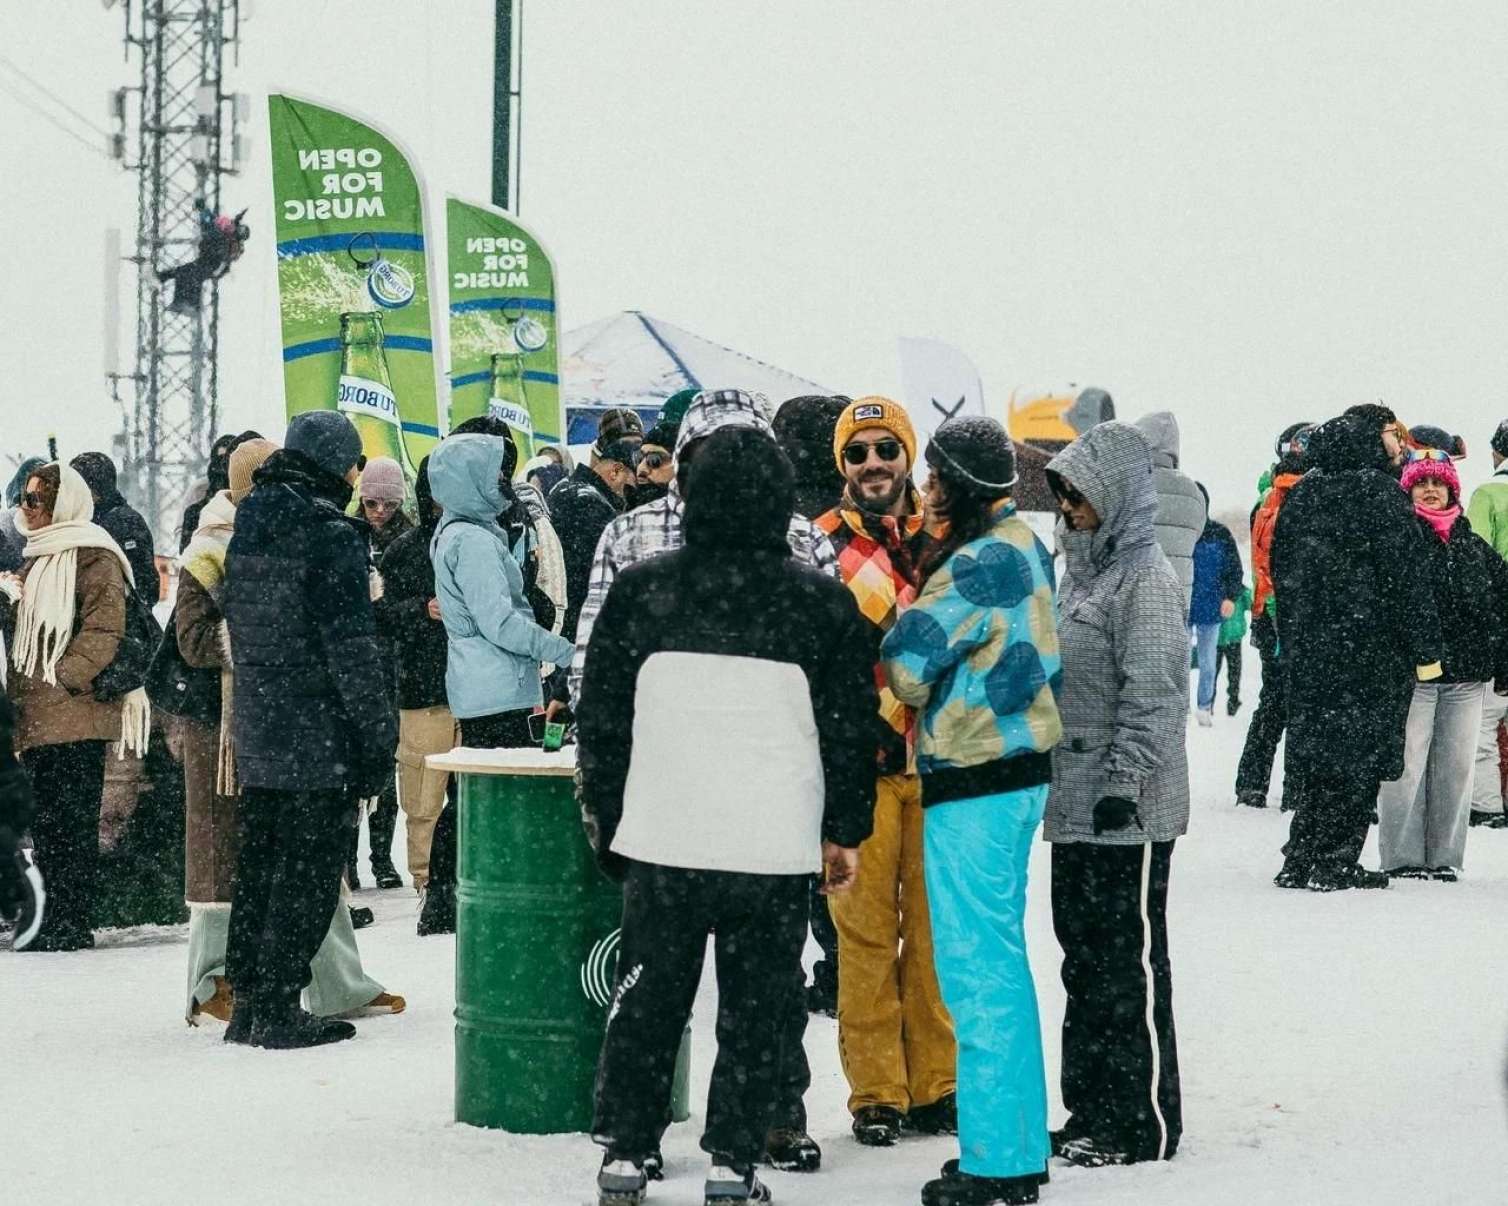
(1114, 813)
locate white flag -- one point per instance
(938, 382)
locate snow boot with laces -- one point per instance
(730, 1184)
(877, 1125)
(956, 1188)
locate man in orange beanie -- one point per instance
(894, 1034)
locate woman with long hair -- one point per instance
(977, 655)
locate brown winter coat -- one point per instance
(209, 833)
(66, 711)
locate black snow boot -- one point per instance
(438, 913)
(731, 1184)
(955, 1188)
(790, 1149)
(621, 1181)
(1088, 1152)
(287, 1030)
(877, 1125)
(242, 1022)
(938, 1118)
(1489, 820)
(1293, 875)
(1332, 878)
(1408, 873)
(1252, 799)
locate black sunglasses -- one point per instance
(1068, 494)
(857, 454)
(654, 460)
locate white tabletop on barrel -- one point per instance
(530, 761)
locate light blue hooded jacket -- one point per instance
(495, 646)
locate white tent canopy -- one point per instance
(634, 359)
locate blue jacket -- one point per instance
(495, 650)
(1217, 573)
(978, 654)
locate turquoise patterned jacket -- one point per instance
(977, 656)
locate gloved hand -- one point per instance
(1113, 813)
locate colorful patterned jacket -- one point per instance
(977, 652)
(877, 558)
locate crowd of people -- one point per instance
(896, 688)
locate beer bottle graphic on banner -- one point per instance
(366, 389)
(509, 401)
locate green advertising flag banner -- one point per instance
(504, 350)
(353, 279)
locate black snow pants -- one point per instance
(1120, 1051)
(1254, 774)
(382, 823)
(1333, 809)
(758, 924)
(1229, 656)
(67, 784)
(293, 849)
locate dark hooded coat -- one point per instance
(124, 523)
(419, 644)
(1356, 615)
(311, 705)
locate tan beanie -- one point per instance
(245, 460)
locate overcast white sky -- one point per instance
(1245, 213)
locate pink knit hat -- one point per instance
(382, 480)
(1441, 470)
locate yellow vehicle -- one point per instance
(1052, 419)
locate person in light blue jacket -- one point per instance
(496, 648)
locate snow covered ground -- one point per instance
(1336, 1049)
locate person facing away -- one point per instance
(588, 500)
(313, 726)
(1356, 629)
(1181, 508)
(1217, 586)
(1254, 772)
(803, 428)
(70, 619)
(1488, 515)
(894, 1034)
(1119, 801)
(1423, 815)
(658, 527)
(768, 664)
(977, 654)
(216, 480)
(118, 517)
(495, 647)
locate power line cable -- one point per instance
(28, 103)
(54, 97)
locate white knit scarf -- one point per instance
(44, 622)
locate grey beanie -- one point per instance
(327, 438)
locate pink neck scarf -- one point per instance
(1441, 521)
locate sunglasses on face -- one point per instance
(886, 450)
(654, 460)
(32, 500)
(1069, 495)
(378, 504)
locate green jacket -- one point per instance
(1488, 513)
(1233, 629)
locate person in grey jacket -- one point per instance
(1119, 799)
(1181, 507)
(495, 648)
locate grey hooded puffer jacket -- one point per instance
(1181, 509)
(1124, 697)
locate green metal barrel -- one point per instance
(536, 946)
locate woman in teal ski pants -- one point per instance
(977, 655)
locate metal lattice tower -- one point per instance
(184, 125)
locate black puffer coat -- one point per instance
(1470, 583)
(1355, 615)
(581, 507)
(311, 704)
(418, 642)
